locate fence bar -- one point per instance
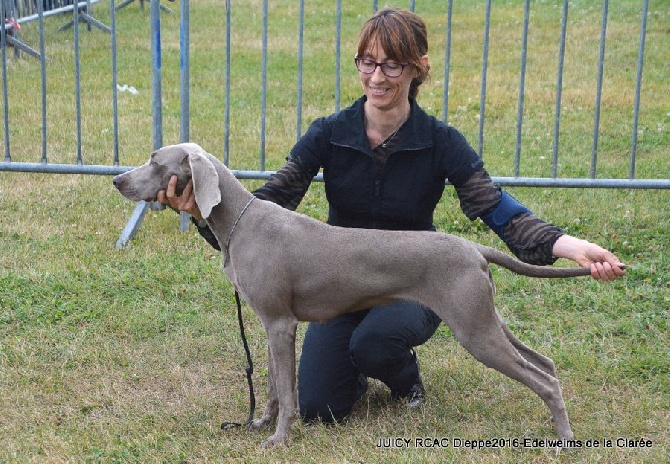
(522, 87)
(184, 86)
(57, 168)
(156, 67)
(226, 114)
(301, 45)
(338, 40)
(525, 181)
(264, 84)
(77, 83)
(638, 88)
(115, 93)
(556, 182)
(3, 56)
(447, 64)
(105, 170)
(599, 88)
(485, 64)
(559, 89)
(184, 74)
(43, 80)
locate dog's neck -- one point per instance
(235, 200)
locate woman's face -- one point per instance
(385, 92)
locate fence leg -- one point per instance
(90, 20)
(85, 17)
(138, 216)
(128, 2)
(18, 45)
(184, 221)
(133, 224)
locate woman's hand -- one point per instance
(604, 264)
(185, 202)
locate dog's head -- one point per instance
(186, 161)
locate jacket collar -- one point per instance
(349, 129)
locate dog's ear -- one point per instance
(205, 183)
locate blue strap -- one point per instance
(501, 214)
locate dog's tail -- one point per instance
(501, 259)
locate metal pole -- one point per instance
(485, 62)
(43, 74)
(264, 84)
(156, 83)
(226, 115)
(599, 90)
(638, 88)
(184, 71)
(77, 83)
(184, 86)
(338, 44)
(5, 93)
(447, 63)
(559, 89)
(301, 43)
(522, 87)
(115, 106)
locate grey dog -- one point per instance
(290, 268)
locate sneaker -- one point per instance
(416, 396)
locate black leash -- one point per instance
(249, 371)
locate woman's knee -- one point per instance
(317, 410)
(328, 405)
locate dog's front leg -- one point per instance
(272, 407)
(281, 342)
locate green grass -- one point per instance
(134, 355)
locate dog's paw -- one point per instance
(274, 441)
(257, 424)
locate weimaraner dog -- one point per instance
(290, 268)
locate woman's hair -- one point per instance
(403, 36)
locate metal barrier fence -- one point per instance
(114, 166)
(17, 12)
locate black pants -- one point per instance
(339, 354)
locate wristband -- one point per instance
(507, 208)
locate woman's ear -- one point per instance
(425, 67)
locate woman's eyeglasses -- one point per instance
(390, 69)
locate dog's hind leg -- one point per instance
(540, 361)
(477, 327)
(502, 356)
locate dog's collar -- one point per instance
(232, 229)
